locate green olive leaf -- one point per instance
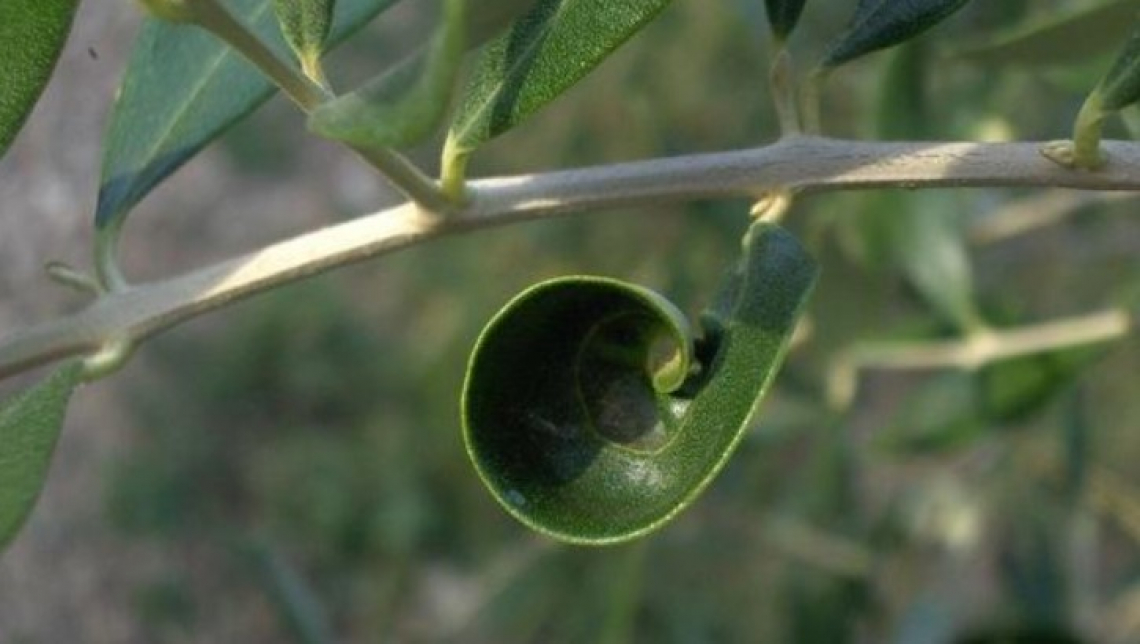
(305, 24)
(878, 24)
(1086, 32)
(29, 429)
(546, 52)
(403, 106)
(32, 33)
(183, 88)
(1120, 87)
(783, 16)
(594, 415)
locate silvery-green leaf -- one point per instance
(182, 88)
(403, 106)
(29, 428)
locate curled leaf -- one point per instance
(879, 24)
(594, 415)
(783, 16)
(405, 105)
(306, 25)
(32, 33)
(29, 428)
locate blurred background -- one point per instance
(291, 469)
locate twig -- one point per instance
(805, 164)
(972, 352)
(1038, 211)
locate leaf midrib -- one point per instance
(193, 97)
(536, 43)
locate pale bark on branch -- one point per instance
(801, 164)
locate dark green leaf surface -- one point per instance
(183, 88)
(594, 416)
(32, 33)
(1121, 86)
(305, 24)
(783, 15)
(29, 427)
(402, 107)
(879, 24)
(548, 50)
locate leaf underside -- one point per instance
(182, 88)
(29, 428)
(403, 106)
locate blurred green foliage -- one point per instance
(319, 427)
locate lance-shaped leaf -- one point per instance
(548, 50)
(32, 33)
(29, 428)
(879, 24)
(401, 107)
(306, 25)
(1120, 87)
(183, 88)
(593, 414)
(783, 16)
